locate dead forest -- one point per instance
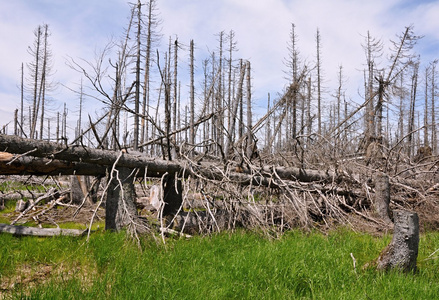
(151, 162)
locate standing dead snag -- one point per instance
(172, 194)
(382, 197)
(402, 251)
(120, 209)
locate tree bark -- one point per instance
(172, 197)
(23, 230)
(382, 197)
(10, 164)
(402, 251)
(192, 97)
(120, 210)
(82, 160)
(76, 190)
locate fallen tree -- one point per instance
(301, 196)
(25, 156)
(11, 164)
(43, 232)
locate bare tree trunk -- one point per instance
(235, 110)
(232, 47)
(401, 122)
(402, 252)
(433, 115)
(22, 102)
(64, 122)
(168, 118)
(57, 127)
(382, 197)
(137, 84)
(411, 124)
(192, 97)
(268, 147)
(175, 85)
(120, 210)
(373, 49)
(319, 80)
(308, 111)
(426, 143)
(35, 69)
(220, 98)
(250, 144)
(379, 107)
(213, 126)
(173, 194)
(16, 122)
(43, 80)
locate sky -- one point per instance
(81, 28)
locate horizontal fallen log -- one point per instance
(81, 160)
(42, 232)
(82, 154)
(11, 164)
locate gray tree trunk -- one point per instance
(192, 96)
(382, 197)
(172, 195)
(319, 80)
(120, 210)
(76, 190)
(81, 186)
(402, 251)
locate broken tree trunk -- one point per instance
(77, 192)
(81, 187)
(120, 209)
(172, 195)
(382, 197)
(402, 252)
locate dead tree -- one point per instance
(172, 194)
(87, 161)
(120, 210)
(382, 197)
(319, 81)
(402, 252)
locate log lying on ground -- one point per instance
(77, 159)
(33, 231)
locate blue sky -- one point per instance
(81, 27)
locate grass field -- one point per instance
(225, 266)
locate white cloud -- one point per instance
(262, 31)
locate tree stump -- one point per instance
(172, 195)
(76, 190)
(382, 197)
(402, 251)
(120, 210)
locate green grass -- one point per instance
(225, 266)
